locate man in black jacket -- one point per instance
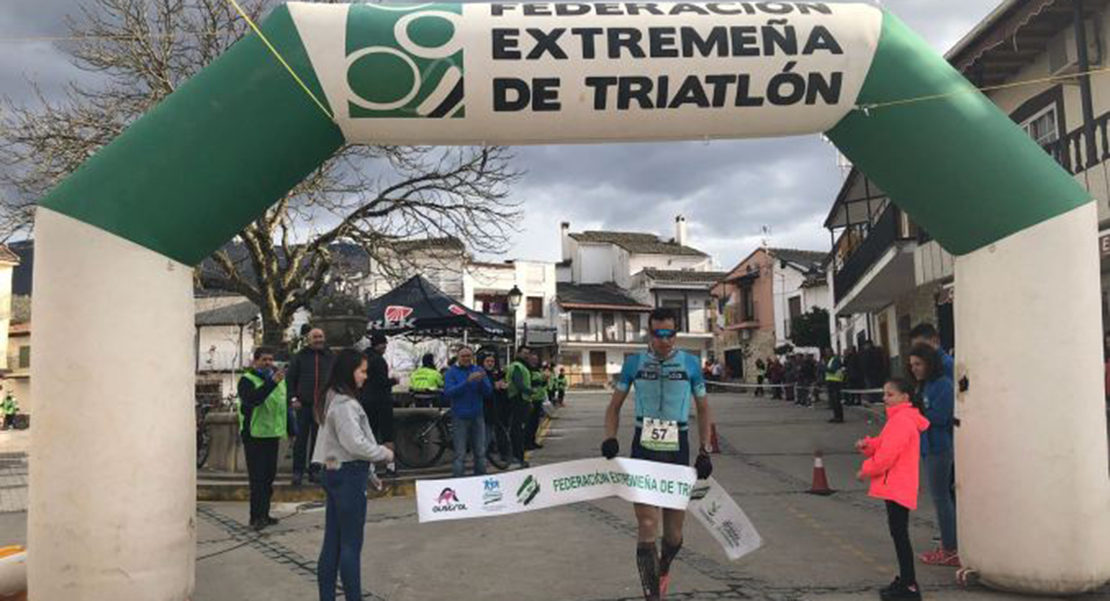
(376, 396)
(307, 377)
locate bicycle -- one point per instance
(204, 438)
(424, 439)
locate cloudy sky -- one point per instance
(727, 190)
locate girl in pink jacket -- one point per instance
(892, 465)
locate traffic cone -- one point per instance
(820, 480)
(714, 446)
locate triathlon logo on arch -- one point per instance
(404, 61)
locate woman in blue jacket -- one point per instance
(937, 393)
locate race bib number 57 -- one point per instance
(659, 435)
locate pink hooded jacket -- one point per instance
(893, 457)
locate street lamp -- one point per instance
(515, 296)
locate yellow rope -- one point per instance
(1004, 86)
(277, 55)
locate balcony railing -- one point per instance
(602, 337)
(1071, 150)
(886, 231)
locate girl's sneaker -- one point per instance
(901, 592)
(935, 557)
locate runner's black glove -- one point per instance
(610, 448)
(703, 465)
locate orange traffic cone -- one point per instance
(714, 446)
(820, 480)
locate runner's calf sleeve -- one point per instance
(668, 556)
(647, 560)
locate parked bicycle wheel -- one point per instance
(421, 441)
(498, 457)
(204, 439)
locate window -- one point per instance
(1042, 126)
(609, 326)
(535, 306)
(679, 309)
(25, 357)
(633, 331)
(795, 310)
(580, 323)
(747, 304)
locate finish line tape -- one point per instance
(634, 480)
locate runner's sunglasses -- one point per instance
(663, 334)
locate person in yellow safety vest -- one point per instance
(8, 410)
(834, 382)
(263, 415)
(561, 387)
(539, 395)
(520, 403)
(427, 377)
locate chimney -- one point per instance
(564, 238)
(680, 230)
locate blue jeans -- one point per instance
(472, 430)
(343, 530)
(938, 473)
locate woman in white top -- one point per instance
(346, 448)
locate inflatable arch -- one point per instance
(112, 477)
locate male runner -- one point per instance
(665, 380)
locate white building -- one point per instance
(487, 288)
(609, 281)
(688, 294)
(888, 274)
(226, 330)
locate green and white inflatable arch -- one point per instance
(112, 483)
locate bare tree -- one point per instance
(140, 51)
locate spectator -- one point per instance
(520, 399)
(561, 387)
(426, 378)
(8, 410)
(853, 370)
(926, 333)
(892, 465)
(760, 376)
(790, 377)
(834, 381)
(498, 411)
(539, 393)
(875, 370)
(717, 372)
(376, 395)
(308, 374)
(776, 373)
(936, 393)
(466, 387)
(263, 412)
(346, 447)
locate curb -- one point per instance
(285, 493)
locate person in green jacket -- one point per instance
(539, 395)
(263, 414)
(427, 377)
(520, 402)
(561, 387)
(9, 409)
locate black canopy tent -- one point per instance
(418, 308)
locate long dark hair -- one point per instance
(905, 387)
(341, 379)
(933, 365)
